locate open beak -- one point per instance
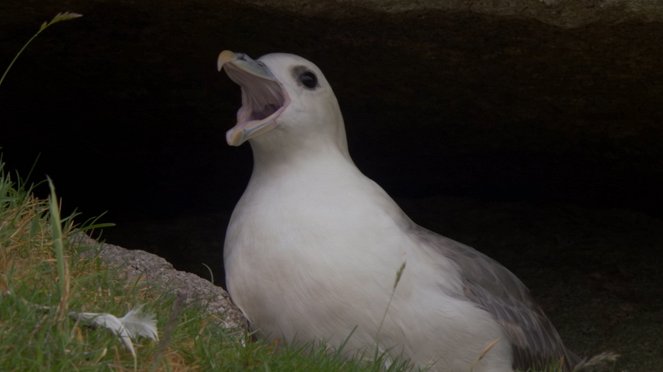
(263, 96)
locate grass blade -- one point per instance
(65, 16)
(58, 246)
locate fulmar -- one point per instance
(315, 251)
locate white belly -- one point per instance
(326, 272)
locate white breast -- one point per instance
(312, 253)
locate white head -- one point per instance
(286, 103)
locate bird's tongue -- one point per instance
(263, 97)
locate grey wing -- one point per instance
(534, 340)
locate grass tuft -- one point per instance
(58, 247)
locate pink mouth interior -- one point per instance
(261, 96)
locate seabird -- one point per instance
(317, 252)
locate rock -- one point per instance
(158, 272)
(563, 13)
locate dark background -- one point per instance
(539, 145)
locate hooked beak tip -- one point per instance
(224, 57)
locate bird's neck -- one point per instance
(297, 148)
(271, 160)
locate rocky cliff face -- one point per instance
(562, 13)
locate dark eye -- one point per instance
(308, 79)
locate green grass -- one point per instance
(60, 17)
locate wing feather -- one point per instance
(534, 340)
